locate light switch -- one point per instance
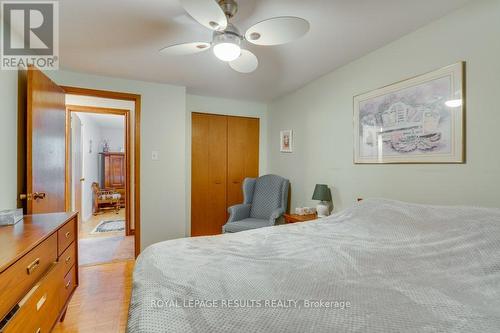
(155, 155)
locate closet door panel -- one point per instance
(199, 174)
(217, 164)
(243, 155)
(208, 174)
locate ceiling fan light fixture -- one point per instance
(227, 46)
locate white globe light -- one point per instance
(227, 51)
(227, 44)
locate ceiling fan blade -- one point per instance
(185, 48)
(246, 63)
(277, 30)
(207, 12)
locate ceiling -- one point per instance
(121, 38)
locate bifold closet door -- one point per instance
(242, 155)
(208, 174)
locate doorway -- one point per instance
(133, 138)
(100, 182)
(44, 170)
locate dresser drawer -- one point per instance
(66, 235)
(68, 258)
(39, 309)
(19, 278)
(68, 286)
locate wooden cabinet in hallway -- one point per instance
(112, 173)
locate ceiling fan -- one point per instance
(227, 41)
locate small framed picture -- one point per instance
(286, 141)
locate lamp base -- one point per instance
(323, 209)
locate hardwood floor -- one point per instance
(100, 303)
(104, 247)
(86, 227)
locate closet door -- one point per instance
(208, 174)
(242, 155)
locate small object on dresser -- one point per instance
(322, 193)
(10, 216)
(305, 210)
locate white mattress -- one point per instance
(390, 266)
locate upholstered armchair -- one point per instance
(264, 203)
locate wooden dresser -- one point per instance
(38, 271)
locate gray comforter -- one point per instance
(381, 266)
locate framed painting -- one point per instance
(420, 120)
(286, 141)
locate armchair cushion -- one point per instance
(245, 224)
(266, 197)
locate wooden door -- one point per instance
(45, 145)
(208, 174)
(77, 170)
(242, 155)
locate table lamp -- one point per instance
(322, 193)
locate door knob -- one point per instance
(38, 195)
(82, 179)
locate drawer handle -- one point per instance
(33, 266)
(67, 284)
(38, 330)
(68, 259)
(41, 302)
(67, 234)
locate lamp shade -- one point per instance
(322, 193)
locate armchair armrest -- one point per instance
(276, 215)
(238, 212)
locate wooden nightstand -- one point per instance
(294, 218)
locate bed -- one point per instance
(380, 266)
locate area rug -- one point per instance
(108, 226)
(100, 250)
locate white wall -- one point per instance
(115, 138)
(321, 116)
(223, 106)
(163, 128)
(8, 139)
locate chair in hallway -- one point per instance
(105, 199)
(265, 202)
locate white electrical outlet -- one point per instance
(155, 155)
